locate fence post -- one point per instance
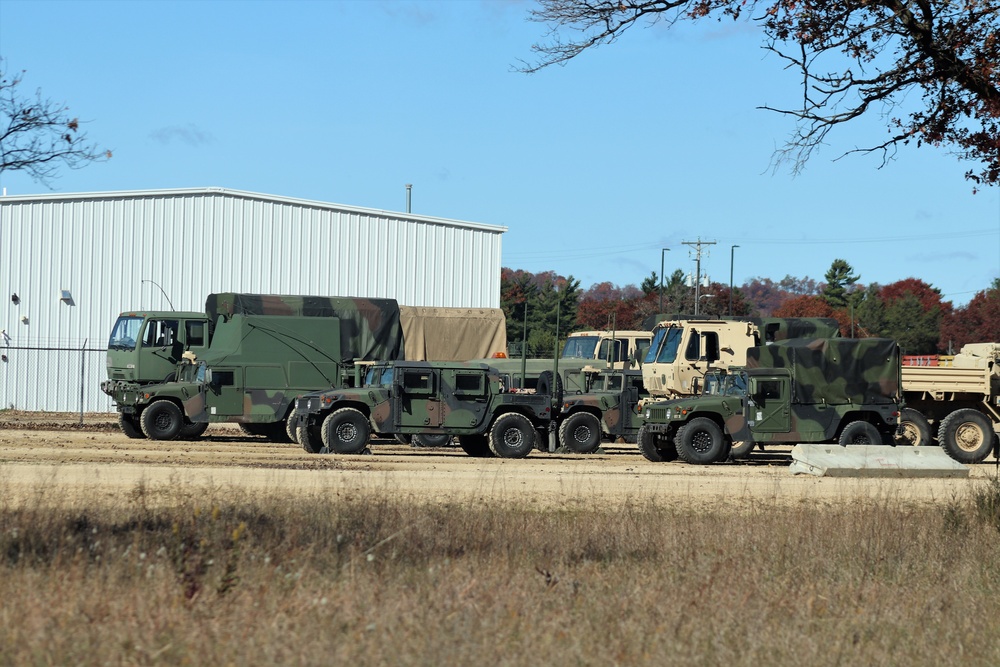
(83, 364)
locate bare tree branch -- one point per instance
(37, 135)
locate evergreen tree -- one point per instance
(840, 281)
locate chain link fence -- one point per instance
(56, 376)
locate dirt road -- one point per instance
(64, 464)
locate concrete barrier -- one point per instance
(874, 461)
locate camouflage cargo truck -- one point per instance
(684, 349)
(264, 351)
(605, 407)
(959, 396)
(468, 400)
(794, 391)
(146, 346)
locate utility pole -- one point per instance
(697, 263)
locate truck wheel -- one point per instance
(129, 426)
(403, 438)
(581, 432)
(290, 429)
(914, 429)
(432, 440)
(252, 429)
(967, 435)
(741, 450)
(309, 436)
(700, 441)
(192, 430)
(545, 385)
(476, 445)
(162, 420)
(512, 436)
(655, 448)
(860, 433)
(346, 431)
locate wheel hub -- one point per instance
(968, 437)
(581, 434)
(512, 437)
(701, 442)
(346, 432)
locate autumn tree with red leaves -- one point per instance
(926, 69)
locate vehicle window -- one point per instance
(580, 347)
(641, 348)
(614, 382)
(223, 378)
(693, 351)
(418, 381)
(667, 352)
(160, 333)
(125, 333)
(469, 384)
(194, 333)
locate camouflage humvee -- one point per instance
(468, 400)
(793, 391)
(606, 407)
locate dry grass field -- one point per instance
(231, 550)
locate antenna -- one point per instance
(161, 290)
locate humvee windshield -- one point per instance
(125, 333)
(378, 376)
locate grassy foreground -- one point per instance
(228, 579)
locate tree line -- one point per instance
(910, 311)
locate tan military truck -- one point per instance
(955, 400)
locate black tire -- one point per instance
(914, 429)
(253, 430)
(346, 431)
(309, 436)
(654, 447)
(290, 429)
(545, 385)
(192, 430)
(701, 442)
(477, 445)
(512, 436)
(162, 420)
(581, 432)
(403, 438)
(967, 435)
(130, 426)
(860, 433)
(741, 450)
(432, 440)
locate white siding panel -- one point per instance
(109, 249)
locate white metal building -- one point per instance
(70, 263)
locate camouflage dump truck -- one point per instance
(606, 407)
(794, 391)
(684, 350)
(959, 396)
(265, 350)
(468, 400)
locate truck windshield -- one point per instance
(663, 349)
(192, 372)
(734, 384)
(125, 333)
(580, 347)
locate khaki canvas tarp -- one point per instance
(452, 334)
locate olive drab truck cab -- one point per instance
(820, 390)
(407, 398)
(146, 346)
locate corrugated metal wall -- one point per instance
(105, 248)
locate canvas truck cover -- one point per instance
(835, 371)
(369, 328)
(452, 334)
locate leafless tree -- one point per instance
(929, 68)
(37, 135)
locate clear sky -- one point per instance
(594, 167)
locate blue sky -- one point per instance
(594, 167)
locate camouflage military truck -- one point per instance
(606, 407)
(684, 349)
(146, 346)
(265, 350)
(793, 391)
(468, 400)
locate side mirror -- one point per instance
(208, 376)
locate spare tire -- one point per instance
(546, 385)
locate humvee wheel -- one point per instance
(741, 450)
(309, 436)
(432, 440)
(129, 426)
(252, 429)
(967, 435)
(192, 430)
(290, 429)
(475, 445)
(512, 436)
(700, 441)
(914, 429)
(581, 432)
(162, 420)
(860, 433)
(654, 448)
(346, 431)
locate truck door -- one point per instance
(465, 396)
(224, 394)
(768, 409)
(160, 349)
(418, 399)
